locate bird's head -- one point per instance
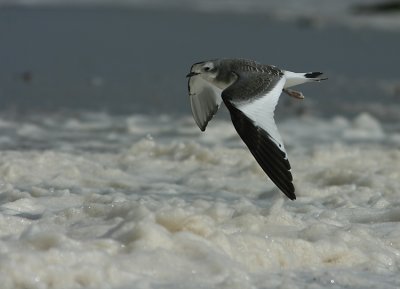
(217, 72)
(207, 69)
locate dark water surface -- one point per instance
(126, 60)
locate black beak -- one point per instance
(192, 74)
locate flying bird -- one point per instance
(250, 91)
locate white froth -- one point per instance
(150, 202)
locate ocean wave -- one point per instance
(134, 202)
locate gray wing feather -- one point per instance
(205, 100)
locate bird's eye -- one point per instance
(206, 68)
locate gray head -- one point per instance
(215, 71)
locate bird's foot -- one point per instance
(293, 93)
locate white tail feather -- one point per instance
(294, 78)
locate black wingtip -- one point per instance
(202, 126)
(313, 74)
(291, 195)
(289, 191)
(268, 155)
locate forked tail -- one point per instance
(314, 76)
(294, 78)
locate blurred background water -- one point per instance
(132, 56)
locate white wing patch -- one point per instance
(205, 99)
(261, 112)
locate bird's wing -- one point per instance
(205, 100)
(254, 121)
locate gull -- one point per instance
(250, 91)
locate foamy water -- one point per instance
(99, 201)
